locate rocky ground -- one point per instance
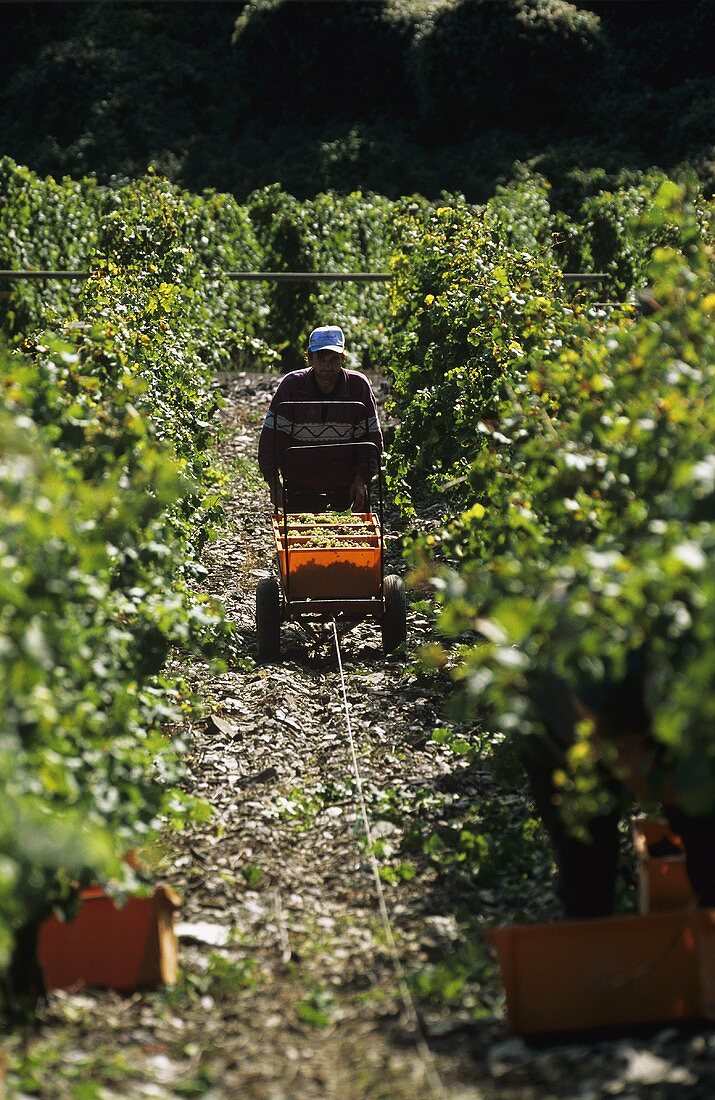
(288, 988)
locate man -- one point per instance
(312, 483)
(588, 867)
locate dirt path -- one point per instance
(288, 990)
(290, 872)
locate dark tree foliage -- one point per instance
(517, 64)
(313, 62)
(393, 96)
(664, 41)
(28, 28)
(119, 86)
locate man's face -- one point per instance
(326, 367)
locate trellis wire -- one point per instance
(8, 276)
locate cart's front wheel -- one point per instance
(394, 616)
(268, 620)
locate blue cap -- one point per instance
(327, 338)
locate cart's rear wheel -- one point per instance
(394, 617)
(268, 620)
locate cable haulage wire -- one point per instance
(431, 1072)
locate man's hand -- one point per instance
(358, 493)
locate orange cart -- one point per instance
(330, 567)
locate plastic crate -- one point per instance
(335, 572)
(663, 883)
(611, 972)
(134, 947)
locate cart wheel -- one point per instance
(394, 617)
(268, 620)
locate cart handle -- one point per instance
(316, 429)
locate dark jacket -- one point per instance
(327, 423)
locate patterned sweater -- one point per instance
(330, 421)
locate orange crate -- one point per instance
(335, 572)
(124, 949)
(610, 972)
(663, 883)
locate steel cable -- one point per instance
(432, 1076)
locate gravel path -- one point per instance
(277, 769)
